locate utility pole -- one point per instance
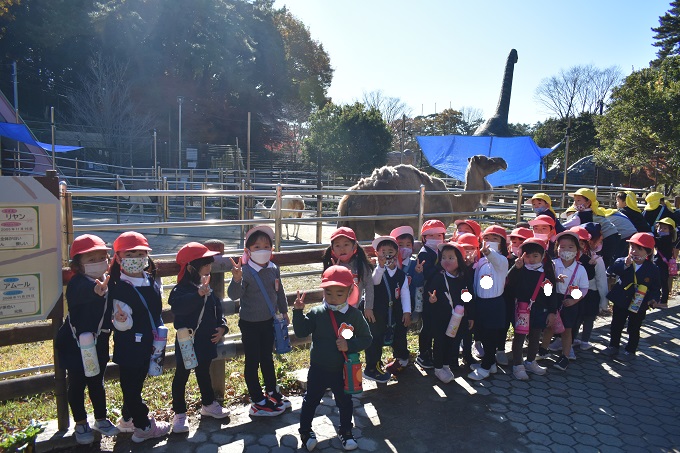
(180, 99)
(566, 160)
(403, 129)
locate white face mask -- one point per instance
(542, 236)
(405, 253)
(580, 207)
(567, 255)
(134, 265)
(533, 267)
(495, 246)
(261, 256)
(433, 243)
(335, 307)
(515, 249)
(96, 270)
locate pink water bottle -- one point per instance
(672, 267)
(454, 323)
(522, 316)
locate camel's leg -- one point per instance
(287, 235)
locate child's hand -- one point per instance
(433, 296)
(629, 259)
(406, 319)
(219, 333)
(485, 250)
(368, 314)
(334, 262)
(299, 301)
(286, 318)
(381, 261)
(120, 315)
(204, 289)
(519, 263)
(561, 278)
(101, 287)
(236, 271)
(341, 343)
(419, 266)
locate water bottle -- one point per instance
(672, 267)
(638, 297)
(522, 318)
(160, 338)
(185, 340)
(88, 352)
(454, 322)
(281, 338)
(418, 308)
(352, 374)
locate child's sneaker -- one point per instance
(268, 408)
(478, 349)
(556, 345)
(535, 368)
(425, 361)
(572, 355)
(154, 430)
(562, 363)
(610, 351)
(377, 376)
(585, 345)
(520, 372)
(492, 370)
(444, 374)
(84, 434)
(347, 439)
(576, 342)
(625, 356)
(214, 410)
(478, 374)
(542, 353)
(502, 358)
(308, 438)
(395, 366)
(105, 427)
(179, 423)
(125, 426)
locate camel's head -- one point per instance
(487, 165)
(260, 205)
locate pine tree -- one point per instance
(668, 34)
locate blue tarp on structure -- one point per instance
(20, 133)
(449, 154)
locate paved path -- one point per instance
(597, 405)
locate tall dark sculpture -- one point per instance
(498, 124)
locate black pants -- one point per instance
(425, 335)
(619, 316)
(77, 381)
(374, 350)
(131, 383)
(258, 342)
(400, 346)
(518, 346)
(179, 384)
(489, 339)
(609, 247)
(587, 321)
(318, 380)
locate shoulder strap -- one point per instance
(538, 287)
(573, 274)
(335, 328)
(258, 280)
(99, 328)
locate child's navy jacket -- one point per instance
(623, 291)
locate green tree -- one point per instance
(641, 127)
(668, 34)
(582, 138)
(350, 138)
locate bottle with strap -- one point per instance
(351, 372)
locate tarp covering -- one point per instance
(449, 154)
(20, 133)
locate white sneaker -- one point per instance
(535, 368)
(83, 434)
(556, 345)
(501, 358)
(125, 426)
(479, 349)
(492, 370)
(572, 355)
(586, 346)
(479, 374)
(214, 410)
(154, 430)
(520, 373)
(444, 374)
(105, 427)
(179, 423)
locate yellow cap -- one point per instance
(542, 196)
(653, 200)
(631, 200)
(589, 194)
(668, 221)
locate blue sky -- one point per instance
(453, 52)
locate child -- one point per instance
(391, 307)
(326, 358)
(136, 315)
(517, 237)
(627, 204)
(470, 244)
(255, 270)
(657, 208)
(542, 205)
(445, 291)
(489, 281)
(570, 276)
(636, 274)
(197, 309)
(467, 226)
(345, 251)
(665, 238)
(89, 311)
(414, 273)
(527, 277)
(431, 235)
(543, 228)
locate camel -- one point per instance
(407, 177)
(291, 207)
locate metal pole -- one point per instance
(155, 156)
(203, 188)
(319, 197)
(403, 128)
(519, 203)
(566, 160)
(421, 207)
(277, 219)
(242, 212)
(54, 157)
(248, 152)
(180, 99)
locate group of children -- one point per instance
(544, 279)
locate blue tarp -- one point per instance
(20, 133)
(449, 154)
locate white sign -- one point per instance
(19, 295)
(19, 228)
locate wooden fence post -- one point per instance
(217, 367)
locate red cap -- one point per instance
(433, 227)
(337, 276)
(344, 231)
(400, 231)
(130, 240)
(522, 233)
(543, 220)
(581, 232)
(645, 240)
(468, 240)
(87, 243)
(534, 240)
(497, 230)
(190, 252)
(455, 245)
(476, 229)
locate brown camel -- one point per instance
(407, 177)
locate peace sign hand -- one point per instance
(204, 289)
(299, 301)
(236, 271)
(629, 259)
(419, 266)
(433, 296)
(519, 263)
(120, 315)
(101, 287)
